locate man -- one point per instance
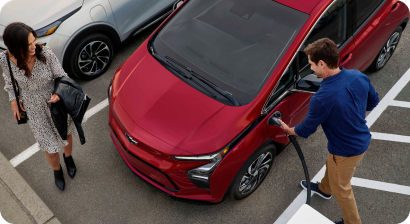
(340, 107)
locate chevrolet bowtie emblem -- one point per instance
(131, 140)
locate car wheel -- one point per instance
(387, 51)
(91, 56)
(253, 172)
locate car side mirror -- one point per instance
(309, 83)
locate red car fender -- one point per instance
(234, 160)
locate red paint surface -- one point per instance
(168, 117)
(305, 6)
(371, 38)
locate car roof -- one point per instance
(305, 6)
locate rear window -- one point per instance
(235, 44)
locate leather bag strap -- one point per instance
(14, 82)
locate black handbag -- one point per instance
(23, 114)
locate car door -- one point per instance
(132, 14)
(280, 104)
(335, 24)
(374, 24)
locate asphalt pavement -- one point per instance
(105, 190)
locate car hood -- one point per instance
(36, 14)
(171, 110)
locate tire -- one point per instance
(387, 51)
(91, 56)
(247, 180)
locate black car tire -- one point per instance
(91, 56)
(387, 51)
(245, 183)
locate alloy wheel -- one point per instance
(94, 57)
(255, 173)
(388, 49)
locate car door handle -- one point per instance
(395, 7)
(348, 57)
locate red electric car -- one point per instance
(189, 110)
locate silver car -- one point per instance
(84, 33)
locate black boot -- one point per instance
(59, 178)
(69, 163)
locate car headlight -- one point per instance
(200, 175)
(51, 28)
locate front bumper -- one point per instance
(154, 167)
(144, 169)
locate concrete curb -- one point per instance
(18, 201)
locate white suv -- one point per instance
(83, 33)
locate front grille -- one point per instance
(158, 176)
(148, 170)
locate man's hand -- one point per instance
(285, 127)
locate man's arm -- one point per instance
(372, 98)
(316, 115)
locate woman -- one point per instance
(35, 67)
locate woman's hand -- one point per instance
(15, 109)
(54, 98)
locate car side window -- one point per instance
(332, 25)
(285, 81)
(365, 8)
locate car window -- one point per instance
(284, 83)
(235, 44)
(365, 8)
(332, 25)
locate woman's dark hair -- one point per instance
(324, 49)
(16, 39)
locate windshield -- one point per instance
(235, 44)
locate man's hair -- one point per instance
(324, 49)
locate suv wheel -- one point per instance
(91, 56)
(253, 172)
(387, 51)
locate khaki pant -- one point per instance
(339, 172)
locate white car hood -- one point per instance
(35, 13)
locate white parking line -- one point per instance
(359, 182)
(299, 200)
(34, 148)
(96, 109)
(399, 104)
(382, 186)
(24, 155)
(390, 137)
(387, 100)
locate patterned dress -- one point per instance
(35, 93)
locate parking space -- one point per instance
(385, 165)
(394, 115)
(105, 190)
(404, 95)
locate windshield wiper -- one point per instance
(187, 76)
(167, 63)
(208, 83)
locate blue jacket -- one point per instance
(340, 107)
